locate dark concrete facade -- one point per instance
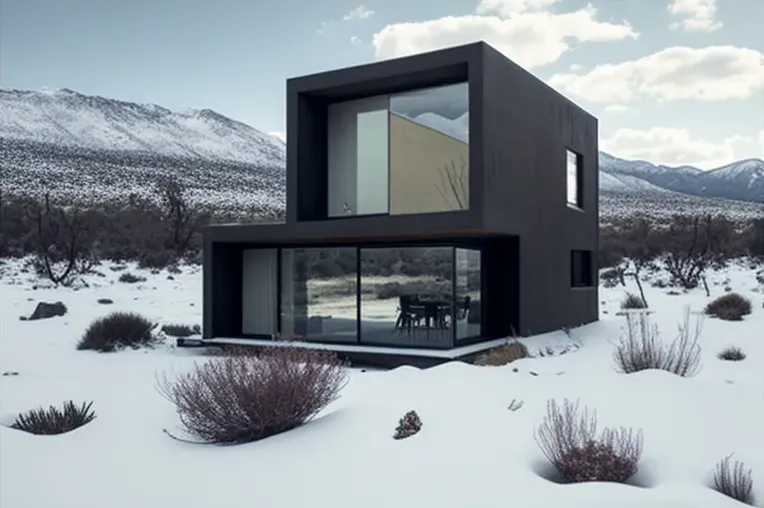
(518, 217)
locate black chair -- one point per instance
(410, 312)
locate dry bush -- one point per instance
(632, 301)
(408, 425)
(245, 396)
(569, 440)
(54, 420)
(734, 481)
(502, 355)
(732, 354)
(129, 278)
(730, 307)
(116, 331)
(641, 348)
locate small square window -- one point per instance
(574, 179)
(581, 272)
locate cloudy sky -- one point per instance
(672, 81)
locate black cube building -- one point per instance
(435, 203)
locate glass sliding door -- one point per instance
(318, 294)
(406, 296)
(467, 294)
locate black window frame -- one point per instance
(581, 269)
(579, 198)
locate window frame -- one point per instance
(578, 203)
(581, 269)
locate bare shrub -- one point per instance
(733, 480)
(641, 348)
(729, 307)
(569, 440)
(502, 355)
(129, 278)
(180, 330)
(244, 397)
(408, 425)
(732, 354)
(116, 331)
(632, 301)
(54, 420)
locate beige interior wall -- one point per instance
(422, 163)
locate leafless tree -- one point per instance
(454, 184)
(183, 218)
(693, 244)
(61, 245)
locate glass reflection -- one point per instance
(407, 296)
(467, 301)
(574, 196)
(318, 294)
(429, 150)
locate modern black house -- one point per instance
(435, 203)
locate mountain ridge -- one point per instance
(54, 141)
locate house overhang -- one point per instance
(308, 98)
(356, 230)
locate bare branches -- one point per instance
(734, 481)
(183, 218)
(60, 243)
(641, 348)
(454, 184)
(244, 397)
(568, 438)
(693, 245)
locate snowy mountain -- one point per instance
(86, 148)
(741, 180)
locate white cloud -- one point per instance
(761, 143)
(713, 73)
(673, 147)
(356, 40)
(617, 108)
(697, 15)
(358, 13)
(520, 29)
(576, 67)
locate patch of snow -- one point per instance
(471, 452)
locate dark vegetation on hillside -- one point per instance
(67, 241)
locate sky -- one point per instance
(671, 81)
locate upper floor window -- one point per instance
(399, 154)
(574, 179)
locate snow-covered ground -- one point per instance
(472, 451)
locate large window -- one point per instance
(358, 157)
(400, 154)
(407, 296)
(318, 294)
(574, 179)
(467, 302)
